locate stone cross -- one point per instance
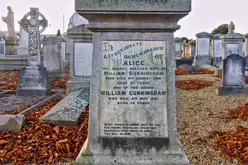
(31, 24)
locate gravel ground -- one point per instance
(10, 104)
(196, 115)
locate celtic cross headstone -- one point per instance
(33, 78)
(31, 24)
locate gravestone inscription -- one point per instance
(131, 76)
(203, 46)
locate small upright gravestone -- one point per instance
(2, 47)
(53, 56)
(33, 78)
(132, 95)
(81, 59)
(233, 76)
(178, 47)
(217, 50)
(202, 49)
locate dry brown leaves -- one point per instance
(9, 79)
(59, 83)
(180, 71)
(241, 112)
(232, 144)
(192, 84)
(42, 143)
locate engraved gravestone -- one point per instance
(132, 99)
(233, 81)
(2, 47)
(33, 78)
(202, 49)
(217, 50)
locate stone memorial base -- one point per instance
(201, 60)
(132, 153)
(33, 81)
(231, 90)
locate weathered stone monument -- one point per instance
(132, 100)
(233, 76)
(202, 49)
(216, 50)
(81, 59)
(33, 78)
(2, 47)
(53, 60)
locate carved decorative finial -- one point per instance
(231, 28)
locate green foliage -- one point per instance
(58, 33)
(222, 29)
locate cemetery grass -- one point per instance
(40, 143)
(202, 130)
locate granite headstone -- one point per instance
(132, 99)
(202, 49)
(233, 76)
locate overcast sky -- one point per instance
(205, 14)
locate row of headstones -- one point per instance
(209, 48)
(54, 54)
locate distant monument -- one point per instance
(9, 20)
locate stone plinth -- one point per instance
(33, 81)
(132, 93)
(81, 59)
